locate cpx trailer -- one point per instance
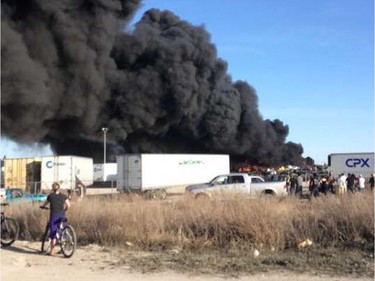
(351, 163)
(157, 174)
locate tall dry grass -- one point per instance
(237, 222)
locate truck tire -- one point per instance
(161, 194)
(268, 194)
(202, 196)
(158, 194)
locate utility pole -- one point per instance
(104, 130)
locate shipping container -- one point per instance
(33, 176)
(18, 172)
(105, 172)
(351, 163)
(66, 170)
(159, 173)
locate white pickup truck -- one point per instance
(237, 183)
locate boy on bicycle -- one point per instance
(59, 203)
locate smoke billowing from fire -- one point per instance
(69, 69)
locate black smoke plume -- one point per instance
(69, 69)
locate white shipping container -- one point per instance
(144, 172)
(105, 172)
(66, 170)
(351, 163)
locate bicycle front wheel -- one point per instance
(9, 231)
(46, 242)
(68, 241)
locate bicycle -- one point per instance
(65, 238)
(9, 228)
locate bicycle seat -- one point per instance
(62, 220)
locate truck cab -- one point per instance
(231, 182)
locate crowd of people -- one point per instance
(321, 185)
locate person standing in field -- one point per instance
(293, 185)
(350, 181)
(287, 179)
(81, 190)
(331, 183)
(314, 185)
(371, 182)
(323, 186)
(311, 183)
(341, 184)
(59, 203)
(299, 185)
(361, 183)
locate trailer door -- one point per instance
(133, 172)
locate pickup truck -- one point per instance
(237, 183)
(15, 195)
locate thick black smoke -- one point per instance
(69, 69)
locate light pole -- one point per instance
(104, 130)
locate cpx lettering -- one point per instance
(191, 162)
(357, 162)
(50, 164)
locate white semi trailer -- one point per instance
(351, 163)
(158, 174)
(105, 172)
(66, 170)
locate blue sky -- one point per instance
(311, 63)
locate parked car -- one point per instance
(15, 195)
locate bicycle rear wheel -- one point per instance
(46, 242)
(68, 241)
(9, 231)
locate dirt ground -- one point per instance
(22, 261)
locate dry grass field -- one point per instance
(220, 236)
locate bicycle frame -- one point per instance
(61, 223)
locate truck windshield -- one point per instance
(219, 180)
(15, 193)
(256, 180)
